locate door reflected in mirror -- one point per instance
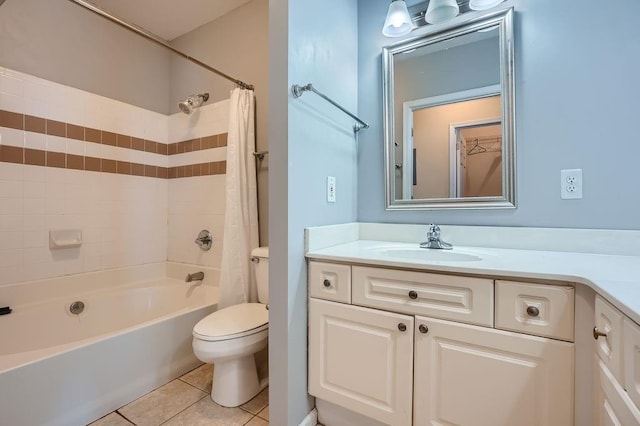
(449, 118)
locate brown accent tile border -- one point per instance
(35, 157)
(202, 169)
(11, 154)
(75, 162)
(58, 128)
(18, 155)
(56, 159)
(35, 124)
(92, 135)
(92, 164)
(75, 132)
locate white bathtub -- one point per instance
(133, 336)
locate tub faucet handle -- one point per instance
(204, 240)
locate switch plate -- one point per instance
(571, 184)
(331, 189)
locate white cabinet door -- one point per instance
(613, 405)
(467, 375)
(362, 359)
(632, 360)
(609, 321)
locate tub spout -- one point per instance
(196, 276)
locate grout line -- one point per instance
(185, 408)
(124, 417)
(194, 386)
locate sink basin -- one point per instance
(430, 254)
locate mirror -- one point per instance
(449, 117)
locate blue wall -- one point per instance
(308, 141)
(577, 93)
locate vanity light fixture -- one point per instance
(398, 22)
(440, 11)
(483, 4)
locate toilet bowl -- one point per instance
(229, 339)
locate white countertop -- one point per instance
(615, 277)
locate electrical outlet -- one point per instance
(571, 184)
(331, 189)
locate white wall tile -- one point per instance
(33, 173)
(11, 189)
(92, 150)
(11, 137)
(12, 103)
(35, 141)
(10, 171)
(75, 147)
(11, 222)
(125, 219)
(9, 258)
(11, 240)
(11, 206)
(11, 85)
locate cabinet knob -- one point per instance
(413, 294)
(597, 333)
(533, 311)
(402, 327)
(423, 329)
(326, 283)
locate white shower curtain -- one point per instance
(237, 284)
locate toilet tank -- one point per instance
(260, 259)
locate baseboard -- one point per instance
(311, 419)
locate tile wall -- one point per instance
(72, 159)
(198, 202)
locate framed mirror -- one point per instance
(449, 117)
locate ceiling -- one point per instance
(168, 19)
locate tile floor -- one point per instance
(186, 402)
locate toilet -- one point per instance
(229, 339)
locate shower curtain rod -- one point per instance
(156, 40)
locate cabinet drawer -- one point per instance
(609, 347)
(455, 298)
(330, 281)
(632, 360)
(543, 310)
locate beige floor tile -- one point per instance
(206, 412)
(161, 404)
(258, 402)
(264, 413)
(113, 419)
(200, 377)
(257, 421)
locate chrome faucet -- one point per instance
(196, 276)
(434, 241)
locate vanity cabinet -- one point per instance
(617, 367)
(415, 348)
(470, 375)
(362, 359)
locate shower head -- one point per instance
(192, 102)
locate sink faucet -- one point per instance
(433, 239)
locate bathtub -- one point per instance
(134, 335)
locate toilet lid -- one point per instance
(232, 322)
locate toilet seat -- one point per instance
(233, 322)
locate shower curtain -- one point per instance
(237, 283)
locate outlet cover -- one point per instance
(331, 189)
(571, 184)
